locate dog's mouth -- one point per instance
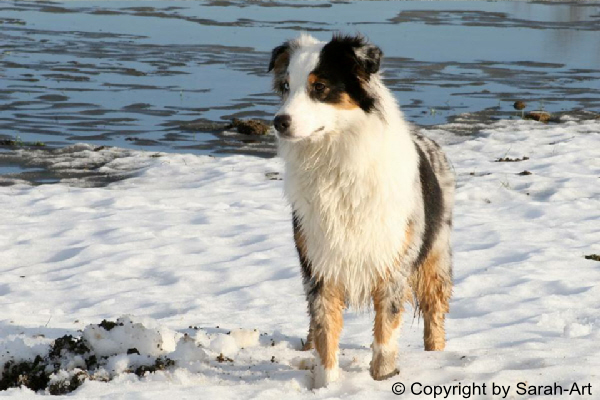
(287, 136)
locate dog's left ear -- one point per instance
(366, 56)
(280, 56)
(369, 57)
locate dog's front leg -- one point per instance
(388, 300)
(326, 304)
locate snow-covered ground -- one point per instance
(196, 253)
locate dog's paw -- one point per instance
(325, 376)
(383, 367)
(308, 345)
(380, 376)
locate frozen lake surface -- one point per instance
(158, 75)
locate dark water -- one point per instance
(167, 75)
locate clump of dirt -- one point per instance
(273, 176)
(36, 374)
(508, 159)
(31, 374)
(66, 386)
(249, 127)
(109, 325)
(541, 116)
(52, 373)
(595, 257)
(221, 358)
(524, 173)
(68, 344)
(161, 364)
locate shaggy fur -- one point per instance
(372, 200)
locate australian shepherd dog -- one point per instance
(371, 199)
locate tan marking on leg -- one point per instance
(328, 323)
(389, 305)
(385, 322)
(433, 289)
(434, 335)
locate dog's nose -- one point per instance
(282, 122)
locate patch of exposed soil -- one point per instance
(509, 159)
(595, 257)
(52, 374)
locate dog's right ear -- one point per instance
(280, 57)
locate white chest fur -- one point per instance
(353, 195)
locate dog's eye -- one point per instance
(319, 87)
(285, 87)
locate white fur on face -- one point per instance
(311, 118)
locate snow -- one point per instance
(245, 337)
(224, 344)
(126, 335)
(194, 256)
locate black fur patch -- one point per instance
(345, 63)
(278, 51)
(433, 204)
(313, 285)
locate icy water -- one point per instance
(166, 75)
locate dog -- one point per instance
(371, 199)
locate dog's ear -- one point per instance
(280, 57)
(365, 56)
(369, 56)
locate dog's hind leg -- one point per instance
(326, 305)
(433, 287)
(388, 300)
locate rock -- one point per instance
(250, 126)
(541, 116)
(519, 105)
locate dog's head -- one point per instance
(324, 86)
